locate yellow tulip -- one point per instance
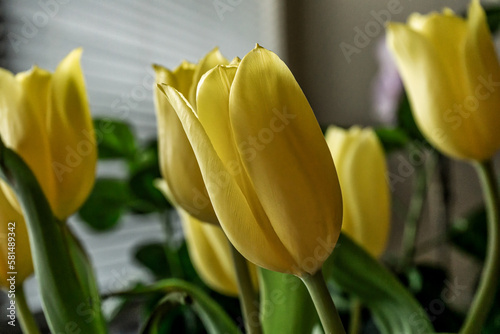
(362, 170)
(46, 119)
(265, 163)
(178, 163)
(12, 225)
(451, 73)
(209, 251)
(210, 254)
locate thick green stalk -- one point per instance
(325, 306)
(26, 319)
(247, 295)
(485, 293)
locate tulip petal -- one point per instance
(164, 75)
(234, 213)
(436, 28)
(213, 113)
(211, 59)
(181, 78)
(23, 110)
(178, 163)
(71, 136)
(482, 67)
(361, 166)
(433, 93)
(209, 251)
(184, 74)
(286, 157)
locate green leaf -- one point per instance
(179, 292)
(392, 138)
(142, 186)
(67, 286)
(470, 233)
(286, 306)
(153, 257)
(115, 139)
(394, 309)
(105, 204)
(493, 18)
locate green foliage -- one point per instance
(285, 303)
(469, 234)
(153, 256)
(136, 193)
(392, 138)
(493, 17)
(106, 204)
(115, 139)
(178, 292)
(69, 293)
(394, 309)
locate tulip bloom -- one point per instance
(12, 225)
(451, 73)
(360, 161)
(178, 163)
(210, 254)
(45, 118)
(265, 163)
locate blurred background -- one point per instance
(334, 48)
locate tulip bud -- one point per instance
(15, 251)
(361, 167)
(452, 76)
(178, 163)
(210, 254)
(46, 119)
(209, 251)
(265, 163)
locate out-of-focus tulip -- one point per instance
(13, 239)
(451, 73)
(178, 163)
(362, 170)
(209, 251)
(265, 163)
(45, 118)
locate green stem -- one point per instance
(412, 219)
(355, 321)
(247, 295)
(325, 307)
(485, 294)
(26, 319)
